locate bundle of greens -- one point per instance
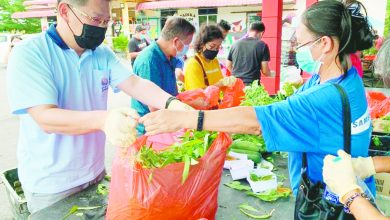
(256, 95)
(193, 146)
(288, 89)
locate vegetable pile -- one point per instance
(193, 146)
(251, 145)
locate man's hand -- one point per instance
(177, 105)
(120, 126)
(339, 176)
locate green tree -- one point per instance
(7, 24)
(387, 21)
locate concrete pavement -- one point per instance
(9, 126)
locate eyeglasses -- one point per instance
(94, 20)
(312, 41)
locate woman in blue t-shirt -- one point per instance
(311, 120)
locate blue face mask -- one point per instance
(305, 60)
(183, 51)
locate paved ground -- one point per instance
(9, 126)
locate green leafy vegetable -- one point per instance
(193, 146)
(266, 216)
(256, 95)
(270, 159)
(272, 195)
(387, 117)
(256, 178)
(107, 178)
(76, 208)
(377, 142)
(288, 89)
(237, 186)
(102, 189)
(281, 177)
(246, 206)
(252, 212)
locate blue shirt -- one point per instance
(153, 65)
(180, 62)
(45, 71)
(311, 121)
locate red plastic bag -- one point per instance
(201, 99)
(378, 103)
(195, 98)
(132, 196)
(212, 95)
(233, 95)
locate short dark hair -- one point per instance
(177, 27)
(206, 34)
(332, 18)
(224, 25)
(257, 26)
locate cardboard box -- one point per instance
(382, 182)
(17, 202)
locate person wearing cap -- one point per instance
(158, 61)
(137, 43)
(57, 83)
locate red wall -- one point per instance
(272, 18)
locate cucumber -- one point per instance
(246, 145)
(254, 156)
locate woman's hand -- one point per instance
(164, 121)
(339, 175)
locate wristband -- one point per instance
(199, 126)
(169, 100)
(351, 199)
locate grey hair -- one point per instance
(177, 27)
(382, 62)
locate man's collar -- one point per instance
(53, 34)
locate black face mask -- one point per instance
(210, 54)
(91, 37)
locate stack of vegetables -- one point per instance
(251, 145)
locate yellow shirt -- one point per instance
(193, 73)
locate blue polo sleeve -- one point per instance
(29, 80)
(148, 70)
(290, 125)
(119, 71)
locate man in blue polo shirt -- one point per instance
(57, 84)
(158, 61)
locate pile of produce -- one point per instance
(251, 145)
(193, 146)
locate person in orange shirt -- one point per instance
(203, 69)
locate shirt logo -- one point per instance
(361, 124)
(104, 83)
